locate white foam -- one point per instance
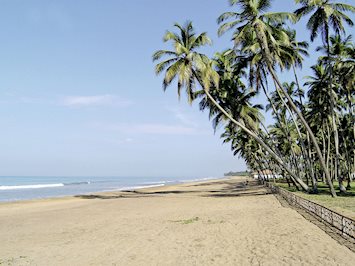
(132, 188)
(198, 179)
(31, 186)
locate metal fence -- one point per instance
(344, 224)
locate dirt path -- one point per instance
(212, 223)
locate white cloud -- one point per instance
(95, 100)
(155, 129)
(165, 129)
(183, 117)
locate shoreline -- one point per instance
(216, 222)
(124, 189)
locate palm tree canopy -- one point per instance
(255, 29)
(326, 14)
(183, 62)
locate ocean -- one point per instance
(26, 188)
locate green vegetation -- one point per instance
(242, 173)
(344, 203)
(188, 221)
(14, 261)
(311, 140)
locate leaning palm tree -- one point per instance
(326, 15)
(320, 108)
(184, 62)
(190, 68)
(297, 51)
(337, 61)
(252, 18)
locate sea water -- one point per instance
(25, 187)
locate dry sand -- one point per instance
(223, 222)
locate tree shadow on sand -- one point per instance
(226, 189)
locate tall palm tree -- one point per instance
(341, 52)
(184, 61)
(188, 67)
(281, 106)
(297, 51)
(250, 57)
(320, 105)
(286, 136)
(231, 94)
(327, 15)
(247, 148)
(253, 18)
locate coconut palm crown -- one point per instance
(183, 62)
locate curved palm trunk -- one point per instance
(314, 182)
(311, 163)
(267, 55)
(253, 135)
(335, 128)
(337, 155)
(306, 151)
(304, 122)
(259, 140)
(351, 164)
(324, 148)
(336, 136)
(328, 143)
(347, 163)
(273, 108)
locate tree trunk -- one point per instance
(334, 124)
(267, 56)
(308, 156)
(259, 140)
(297, 129)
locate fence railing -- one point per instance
(345, 224)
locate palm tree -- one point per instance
(231, 94)
(347, 144)
(327, 15)
(252, 18)
(189, 67)
(250, 57)
(284, 132)
(341, 54)
(184, 61)
(297, 51)
(320, 105)
(248, 149)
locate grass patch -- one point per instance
(188, 221)
(11, 261)
(344, 203)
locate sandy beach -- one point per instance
(220, 222)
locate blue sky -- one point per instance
(78, 93)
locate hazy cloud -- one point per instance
(95, 100)
(183, 117)
(155, 129)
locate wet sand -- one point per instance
(220, 222)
